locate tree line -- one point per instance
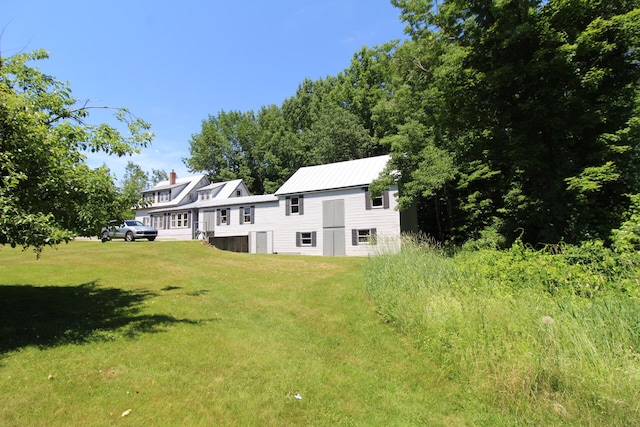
(504, 119)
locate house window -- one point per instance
(246, 215)
(306, 238)
(238, 193)
(223, 216)
(146, 221)
(164, 196)
(379, 202)
(294, 205)
(157, 221)
(363, 236)
(180, 220)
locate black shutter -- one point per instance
(313, 239)
(301, 204)
(218, 215)
(374, 236)
(241, 215)
(298, 239)
(354, 237)
(385, 199)
(287, 206)
(367, 199)
(253, 212)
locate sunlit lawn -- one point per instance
(182, 334)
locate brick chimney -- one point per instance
(172, 178)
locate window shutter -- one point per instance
(367, 199)
(354, 237)
(241, 210)
(313, 239)
(374, 236)
(287, 207)
(218, 217)
(228, 216)
(301, 202)
(385, 199)
(253, 211)
(298, 239)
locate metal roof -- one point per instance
(165, 185)
(347, 174)
(214, 203)
(190, 182)
(228, 189)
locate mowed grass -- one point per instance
(182, 334)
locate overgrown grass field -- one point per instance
(177, 333)
(551, 336)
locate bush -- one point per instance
(543, 333)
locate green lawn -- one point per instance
(183, 334)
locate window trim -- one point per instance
(356, 236)
(243, 214)
(312, 239)
(289, 205)
(180, 219)
(220, 216)
(164, 196)
(368, 200)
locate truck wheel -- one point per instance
(129, 237)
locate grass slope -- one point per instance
(183, 334)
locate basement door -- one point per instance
(333, 228)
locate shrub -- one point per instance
(543, 333)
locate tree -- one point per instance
(279, 149)
(534, 100)
(48, 194)
(158, 175)
(134, 182)
(224, 147)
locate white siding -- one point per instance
(385, 221)
(264, 219)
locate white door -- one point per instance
(262, 242)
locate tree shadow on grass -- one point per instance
(47, 316)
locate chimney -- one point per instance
(172, 178)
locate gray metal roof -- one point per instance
(347, 174)
(188, 183)
(214, 203)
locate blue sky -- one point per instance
(175, 63)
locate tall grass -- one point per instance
(550, 336)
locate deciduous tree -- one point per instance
(535, 101)
(48, 194)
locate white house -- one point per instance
(320, 210)
(174, 208)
